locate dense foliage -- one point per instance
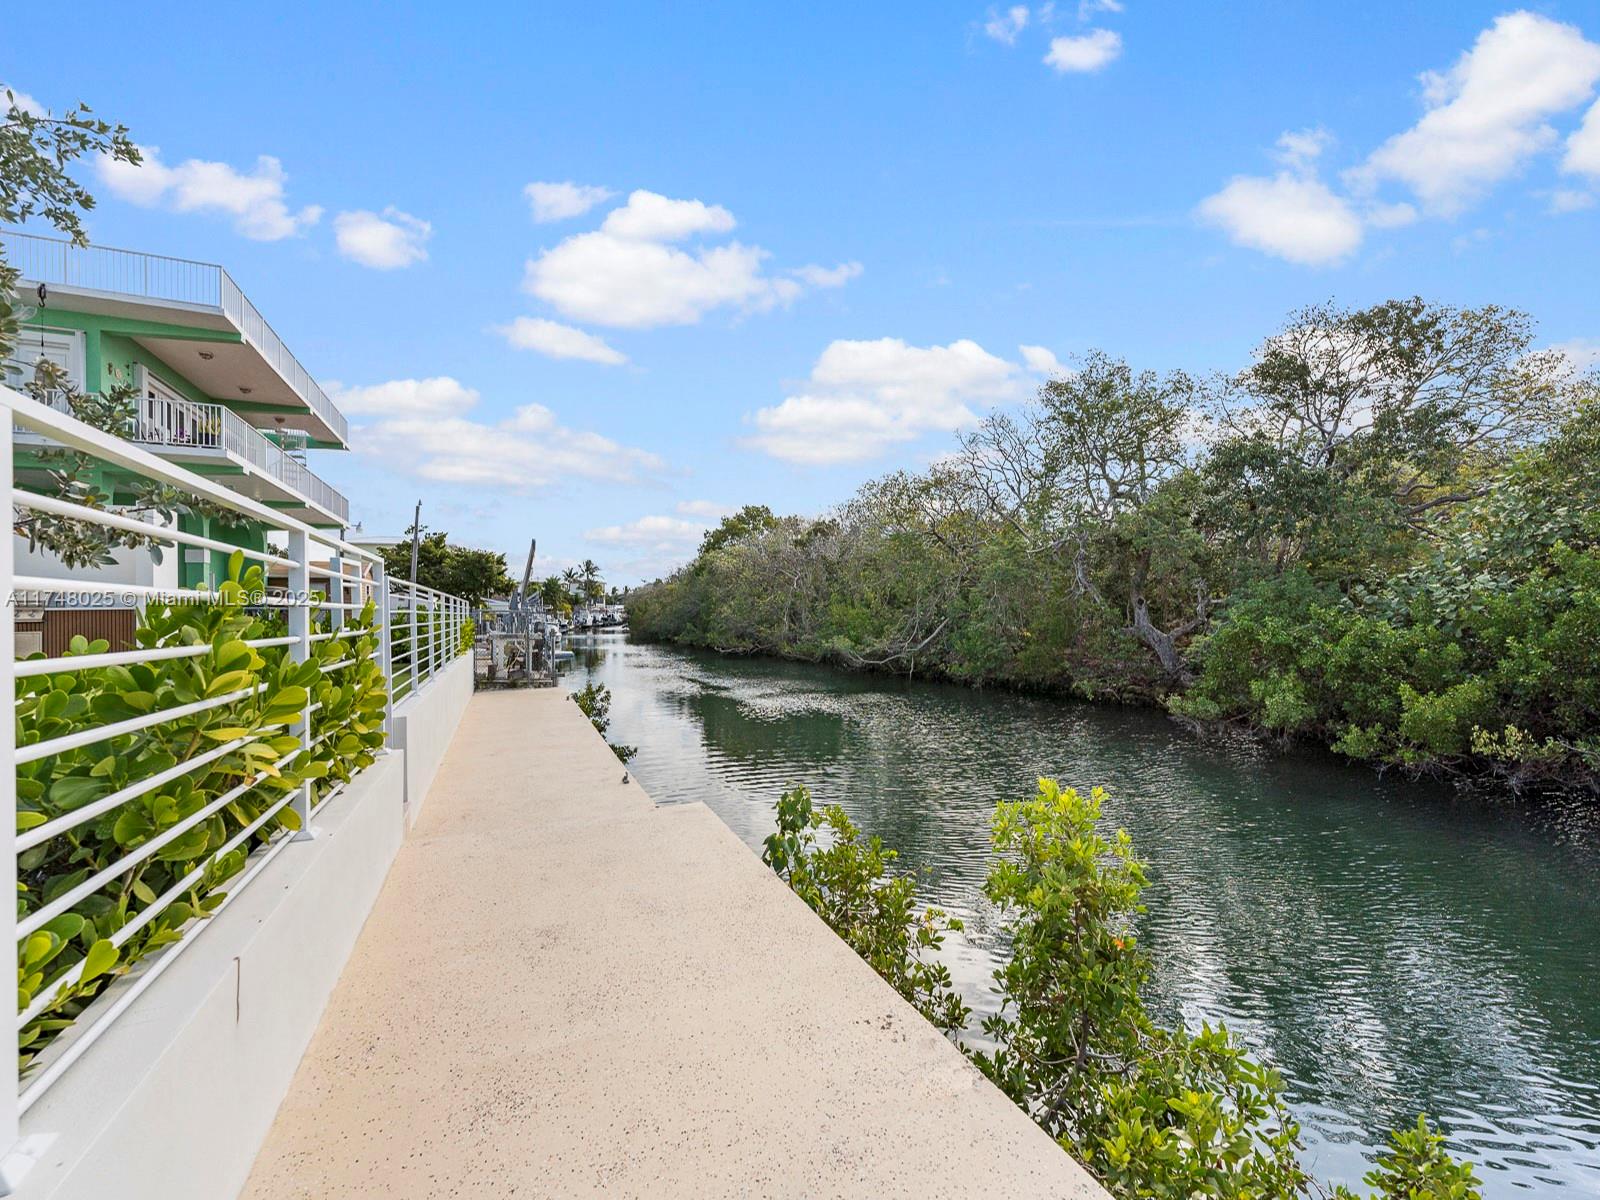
(179, 843)
(445, 567)
(1154, 1112)
(1383, 534)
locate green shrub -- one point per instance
(157, 895)
(1155, 1113)
(594, 701)
(848, 881)
(1151, 1111)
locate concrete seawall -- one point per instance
(566, 990)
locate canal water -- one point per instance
(1391, 947)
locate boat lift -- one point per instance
(518, 641)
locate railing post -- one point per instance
(9, 1126)
(380, 584)
(299, 613)
(335, 589)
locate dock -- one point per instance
(566, 990)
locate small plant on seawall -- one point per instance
(1155, 1113)
(847, 880)
(594, 701)
(1416, 1166)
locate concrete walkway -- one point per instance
(564, 990)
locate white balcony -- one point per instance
(206, 436)
(180, 291)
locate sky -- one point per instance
(598, 274)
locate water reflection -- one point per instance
(1391, 947)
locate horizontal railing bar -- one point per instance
(346, 549)
(151, 972)
(30, 838)
(55, 1069)
(88, 737)
(81, 512)
(71, 432)
(81, 586)
(131, 859)
(88, 662)
(67, 978)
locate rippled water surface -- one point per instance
(1390, 947)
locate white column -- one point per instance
(8, 812)
(299, 614)
(380, 591)
(335, 590)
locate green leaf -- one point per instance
(229, 653)
(101, 958)
(228, 681)
(74, 791)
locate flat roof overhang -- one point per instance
(238, 373)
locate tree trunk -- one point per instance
(1161, 643)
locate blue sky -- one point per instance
(814, 240)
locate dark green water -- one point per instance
(1390, 947)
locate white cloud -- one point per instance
(1571, 200)
(1300, 148)
(626, 275)
(1583, 353)
(23, 101)
(1042, 361)
(1389, 216)
(1090, 52)
(1005, 26)
(555, 340)
(864, 396)
(560, 201)
(385, 241)
(423, 430)
(652, 217)
(708, 509)
(656, 532)
(255, 200)
(1583, 147)
(1487, 115)
(828, 277)
(1295, 217)
(1088, 8)
(437, 396)
(636, 285)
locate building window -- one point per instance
(64, 347)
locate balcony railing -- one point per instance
(175, 281)
(192, 425)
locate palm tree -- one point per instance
(572, 579)
(593, 588)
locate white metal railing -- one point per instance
(346, 580)
(427, 629)
(174, 280)
(160, 421)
